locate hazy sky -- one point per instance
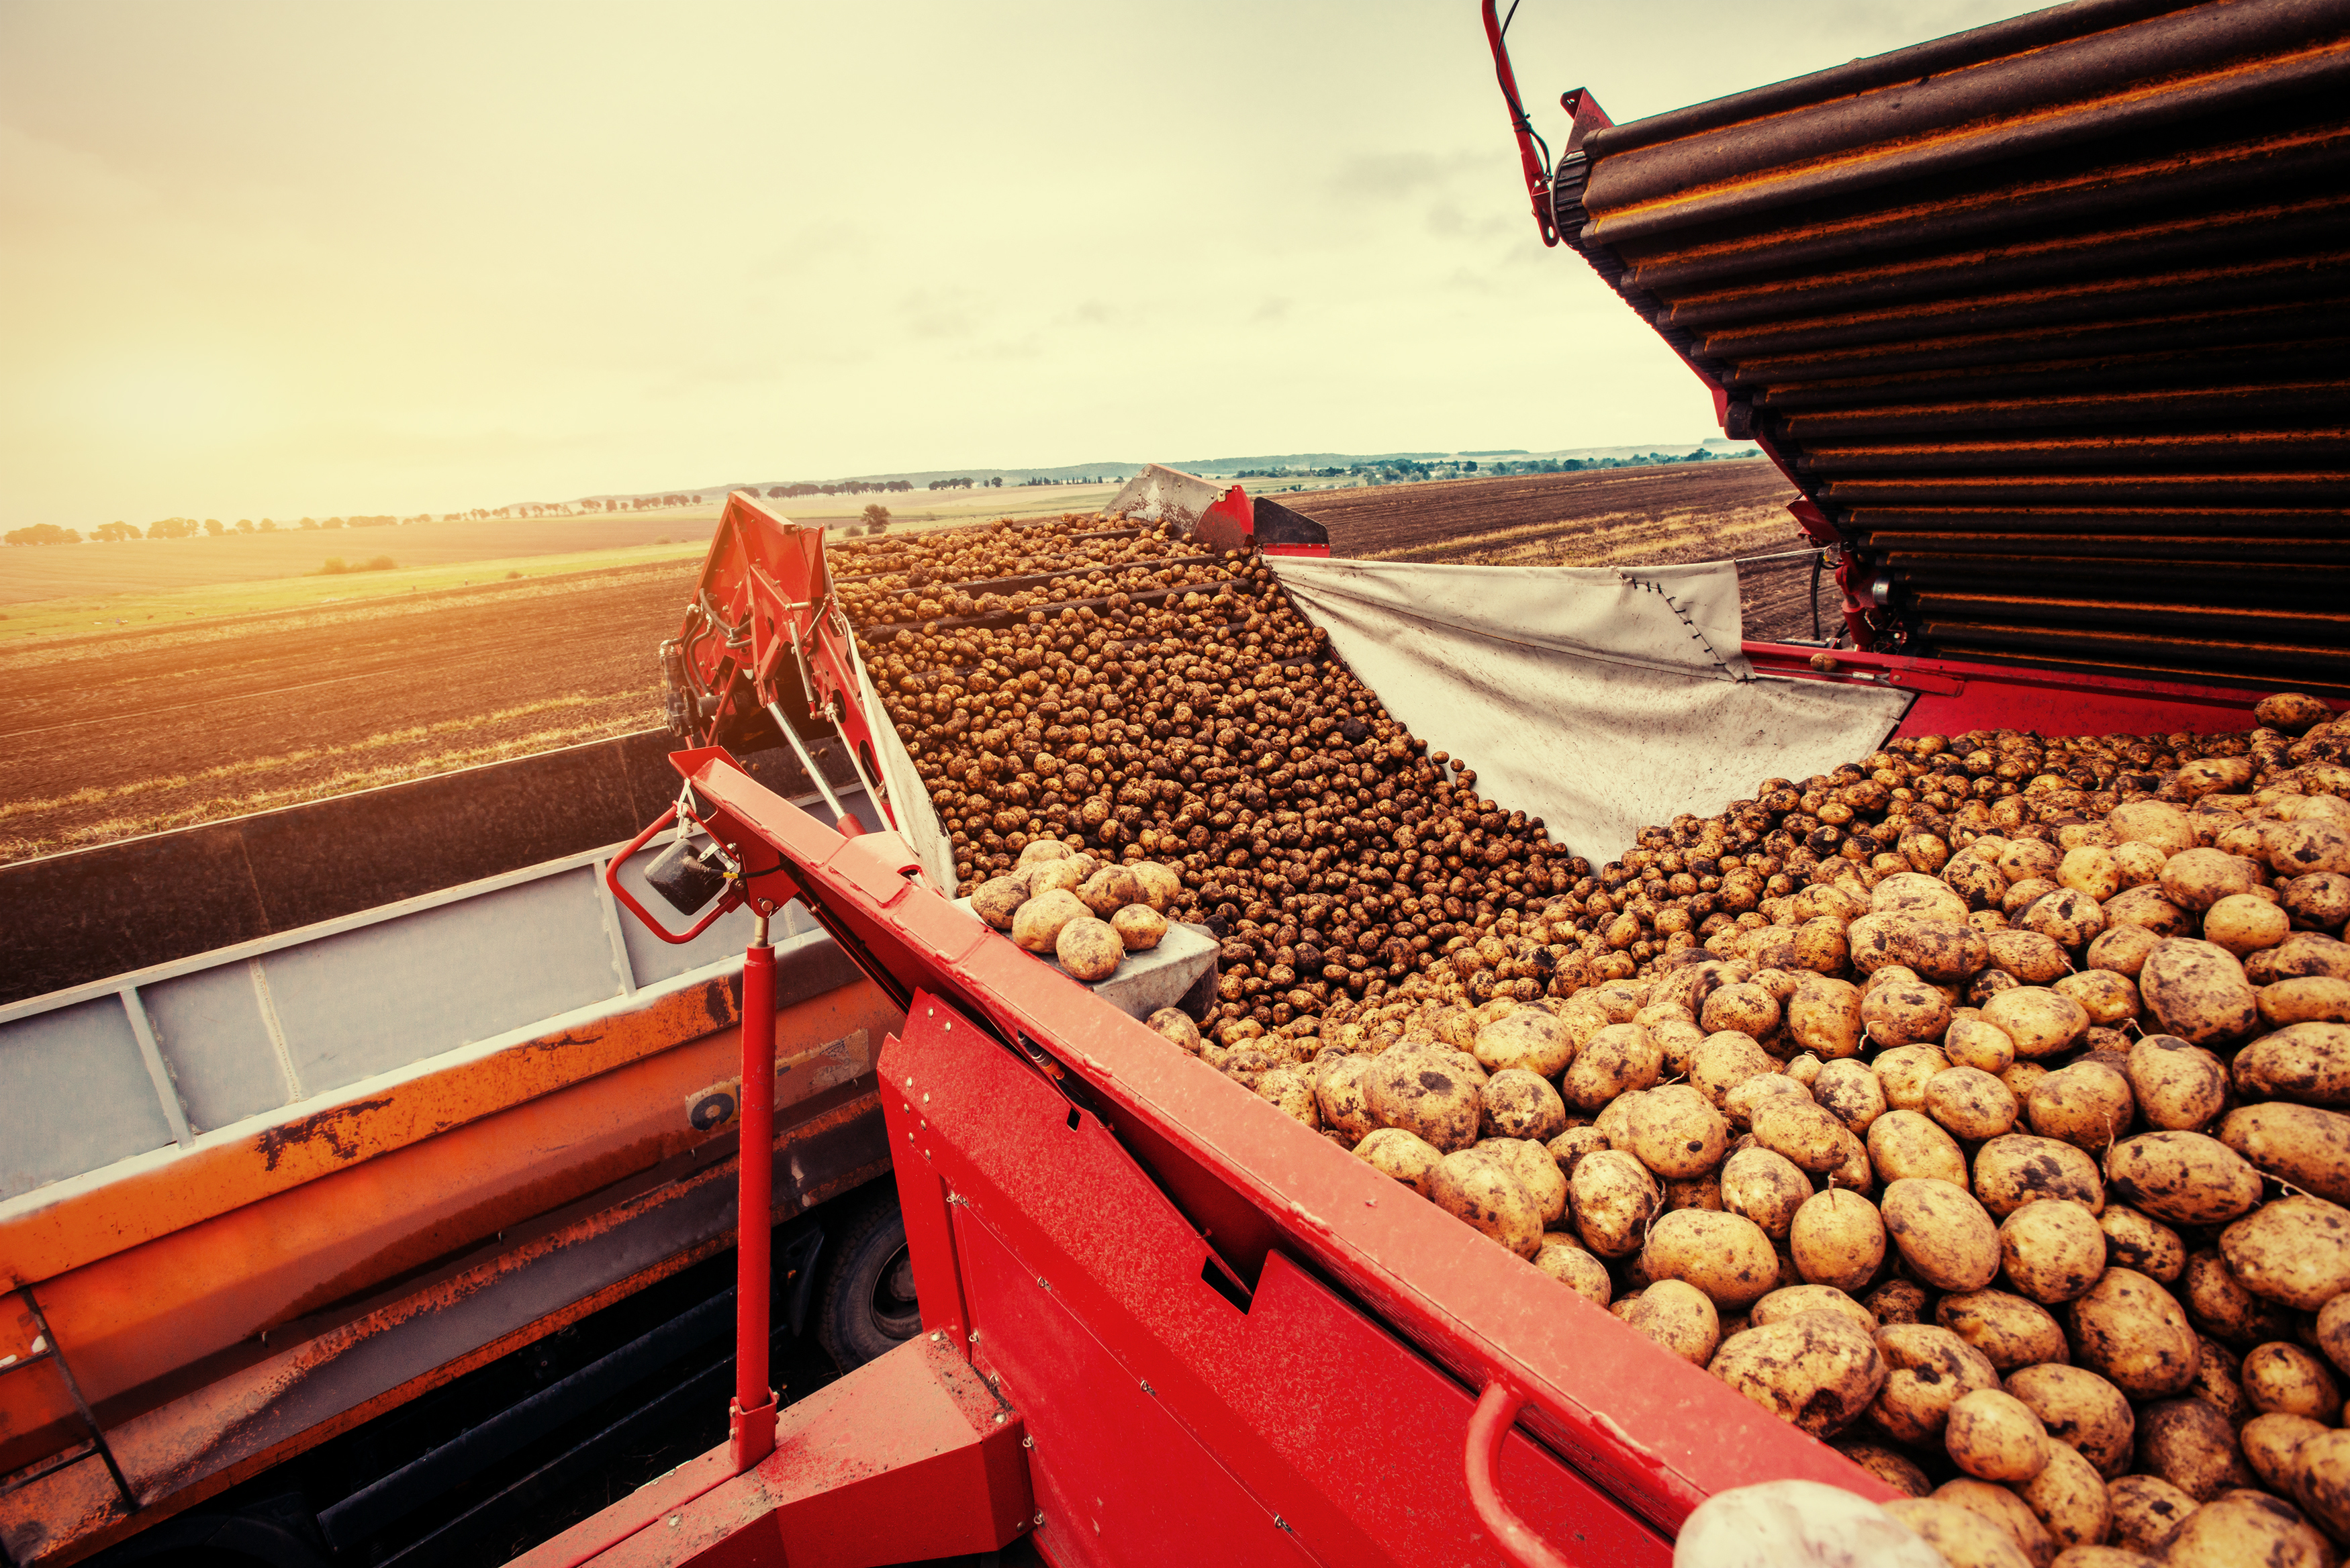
(266, 258)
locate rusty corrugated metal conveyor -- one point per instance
(2047, 318)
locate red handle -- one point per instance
(732, 900)
(1497, 1410)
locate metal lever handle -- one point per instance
(1497, 1410)
(729, 901)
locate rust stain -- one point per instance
(335, 1126)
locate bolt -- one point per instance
(1040, 1516)
(999, 1418)
(674, 1519)
(934, 1337)
(974, 1336)
(1027, 1440)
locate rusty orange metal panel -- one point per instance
(38, 1418)
(139, 1314)
(53, 1230)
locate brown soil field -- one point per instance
(134, 730)
(1664, 515)
(120, 734)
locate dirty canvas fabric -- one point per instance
(1599, 699)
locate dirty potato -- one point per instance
(2038, 1022)
(1970, 1104)
(1724, 1255)
(1518, 1104)
(1036, 926)
(1088, 948)
(2246, 1527)
(1420, 1090)
(1614, 1198)
(1816, 1370)
(1139, 927)
(2184, 1177)
(1971, 1043)
(1679, 1318)
(2010, 1331)
(2077, 1407)
(2148, 1511)
(1837, 1239)
(2087, 1105)
(1175, 1025)
(2177, 1086)
(1823, 1017)
(2286, 1379)
(2135, 1241)
(1678, 1134)
(1765, 1187)
(1904, 1012)
(1904, 1144)
(2014, 1170)
(1618, 1058)
(1993, 1435)
(1928, 1369)
(1788, 1300)
(1572, 1265)
(2303, 1145)
(1340, 1089)
(1963, 1538)
(1851, 1092)
(2307, 1063)
(2294, 1250)
(2069, 1498)
(1393, 1152)
(2130, 1331)
(1531, 1038)
(1485, 1191)
(1943, 1233)
(2271, 1447)
(2052, 1251)
(2196, 991)
(2191, 1445)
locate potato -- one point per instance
(2196, 991)
(1743, 1008)
(2295, 1251)
(2271, 1445)
(2309, 999)
(1820, 946)
(2148, 1511)
(1533, 1167)
(1615, 1123)
(2013, 1171)
(1928, 1369)
(2025, 858)
(2038, 1022)
(2146, 907)
(1964, 1538)
(1110, 890)
(2107, 997)
(2090, 870)
(2147, 1246)
(1571, 1266)
(1517, 1104)
(1724, 1255)
(1088, 948)
(1916, 892)
(2195, 879)
(1620, 1057)
(2306, 844)
(2308, 1063)
(1850, 1092)
(1533, 1040)
(1678, 1317)
(2139, 864)
(1477, 1188)
(1677, 1039)
(1788, 1300)
(2087, 1105)
(1393, 1152)
(1905, 1071)
(2303, 1145)
(2068, 1496)
(1341, 1091)
(1792, 1125)
(1904, 1012)
(1944, 1235)
(1036, 926)
(1675, 1134)
(1993, 1435)
(1906, 1143)
(1725, 1061)
(2184, 1177)
(2177, 1086)
(2215, 1382)
(2000, 1506)
(1971, 1043)
(1887, 1465)
(2052, 1251)
(1176, 1026)
(1287, 1089)
(2129, 1329)
(1824, 1016)
(2323, 1461)
(1614, 1198)
(2077, 1407)
(2285, 1379)
(1898, 1301)
(1063, 875)
(1766, 1187)
(1162, 887)
(2192, 1446)
(1422, 1090)
(1837, 1239)
(1937, 947)
(2067, 916)
(1815, 1369)
(2293, 712)
(1138, 927)
(2157, 822)
(1969, 1102)
(2244, 924)
(2319, 900)
(998, 899)
(2123, 949)
(2220, 1304)
(2247, 1526)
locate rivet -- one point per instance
(1040, 1516)
(999, 1418)
(934, 1336)
(1028, 1439)
(926, 1096)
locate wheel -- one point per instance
(867, 1308)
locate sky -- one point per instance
(284, 259)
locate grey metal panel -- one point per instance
(208, 1025)
(73, 1094)
(370, 1000)
(654, 960)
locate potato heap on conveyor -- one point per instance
(1115, 688)
(1979, 1107)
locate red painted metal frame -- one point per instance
(751, 1418)
(1168, 1193)
(1537, 176)
(1953, 696)
(731, 900)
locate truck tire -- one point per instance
(867, 1307)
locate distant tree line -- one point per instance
(996, 483)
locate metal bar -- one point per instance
(276, 1031)
(613, 933)
(1497, 1408)
(73, 1387)
(750, 1422)
(167, 1093)
(799, 748)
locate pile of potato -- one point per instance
(1211, 731)
(1087, 913)
(2016, 1165)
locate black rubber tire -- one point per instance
(866, 1306)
